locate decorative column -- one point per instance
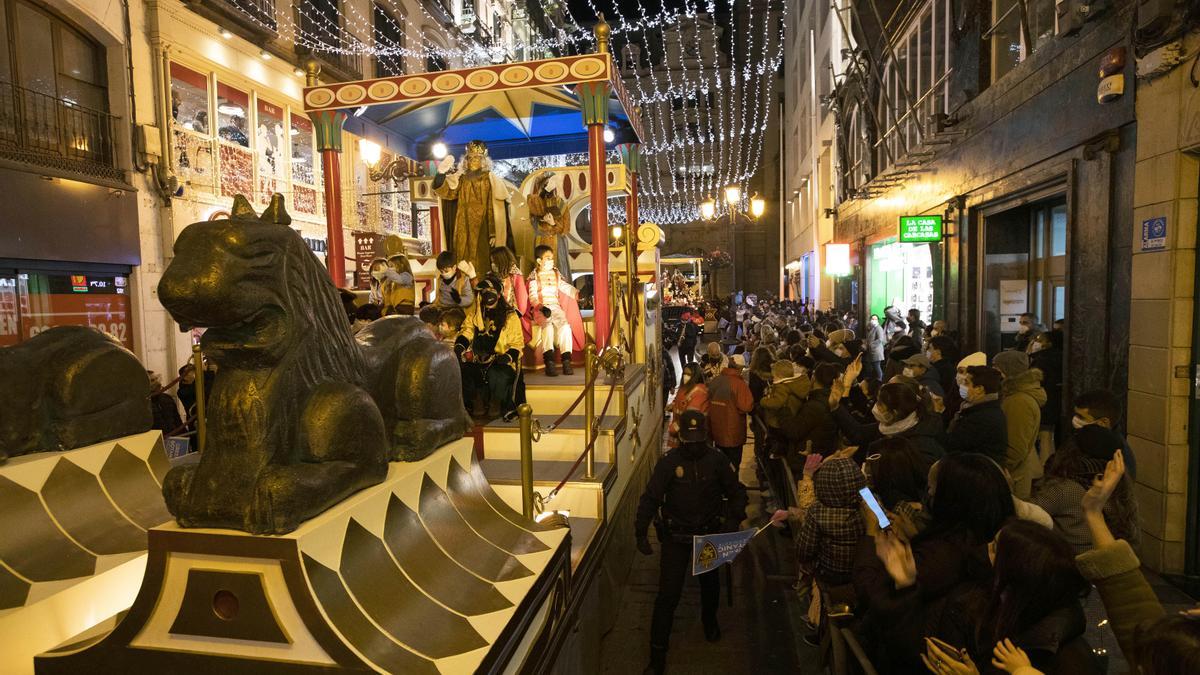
(594, 99)
(631, 156)
(328, 125)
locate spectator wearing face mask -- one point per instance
(788, 390)
(943, 353)
(1022, 398)
(979, 425)
(1101, 408)
(1027, 329)
(1046, 354)
(873, 342)
(899, 412)
(920, 368)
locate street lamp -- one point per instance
(758, 206)
(371, 152)
(733, 194)
(708, 209)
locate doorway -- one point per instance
(1024, 270)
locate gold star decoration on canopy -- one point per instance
(514, 105)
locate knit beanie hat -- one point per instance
(1011, 362)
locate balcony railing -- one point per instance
(41, 129)
(251, 18)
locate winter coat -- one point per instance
(729, 401)
(979, 428)
(1022, 398)
(834, 524)
(784, 399)
(1050, 362)
(927, 435)
(1062, 498)
(950, 568)
(813, 422)
(1129, 601)
(947, 372)
(758, 385)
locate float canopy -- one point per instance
(530, 108)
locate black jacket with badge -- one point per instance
(697, 490)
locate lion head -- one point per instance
(260, 292)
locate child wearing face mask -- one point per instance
(454, 284)
(692, 395)
(555, 307)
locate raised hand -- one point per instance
(897, 558)
(1104, 485)
(1009, 657)
(447, 164)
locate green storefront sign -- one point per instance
(919, 229)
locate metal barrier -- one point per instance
(608, 361)
(198, 364)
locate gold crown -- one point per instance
(478, 148)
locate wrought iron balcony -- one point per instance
(252, 18)
(40, 129)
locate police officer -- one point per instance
(695, 488)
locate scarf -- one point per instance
(899, 426)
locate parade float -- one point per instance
(344, 511)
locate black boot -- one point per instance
(566, 364)
(551, 368)
(658, 661)
(712, 631)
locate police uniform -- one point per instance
(693, 490)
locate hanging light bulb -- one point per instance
(371, 152)
(733, 194)
(609, 136)
(708, 209)
(758, 206)
(617, 232)
(439, 150)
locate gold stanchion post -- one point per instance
(632, 275)
(589, 411)
(198, 364)
(525, 416)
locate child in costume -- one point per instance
(555, 307)
(489, 349)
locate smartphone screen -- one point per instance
(873, 504)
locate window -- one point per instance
(915, 82)
(304, 178)
(1015, 34)
(389, 35)
(434, 62)
(54, 98)
(271, 146)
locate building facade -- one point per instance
(122, 123)
(813, 64)
(1000, 158)
(701, 129)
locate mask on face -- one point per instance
(874, 321)
(687, 377)
(1079, 423)
(841, 352)
(1035, 347)
(908, 372)
(547, 265)
(879, 415)
(378, 275)
(1024, 328)
(962, 391)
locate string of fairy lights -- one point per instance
(718, 95)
